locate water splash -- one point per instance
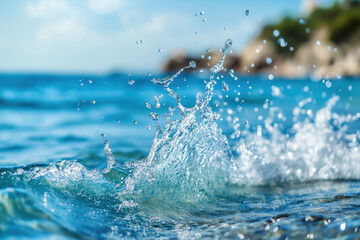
(111, 161)
(191, 160)
(165, 82)
(316, 151)
(195, 182)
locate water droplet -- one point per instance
(247, 12)
(202, 56)
(301, 21)
(228, 43)
(137, 42)
(131, 82)
(135, 122)
(141, 41)
(291, 49)
(90, 81)
(93, 102)
(156, 100)
(148, 127)
(268, 60)
(271, 77)
(160, 50)
(309, 235)
(204, 19)
(275, 91)
(196, 32)
(282, 42)
(318, 42)
(148, 105)
(103, 135)
(149, 74)
(276, 33)
(307, 30)
(343, 226)
(118, 121)
(154, 116)
(209, 57)
(225, 28)
(196, 14)
(225, 86)
(192, 64)
(202, 13)
(328, 84)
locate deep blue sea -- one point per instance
(267, 159)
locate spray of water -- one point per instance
(191, 160)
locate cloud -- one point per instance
(3, 42)
(158, 23)
(47, 8)
(66, 29)
(59, 20)
(105, 6)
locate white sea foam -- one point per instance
(316, 150)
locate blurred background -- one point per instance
(75, 75)
(101, 36)
(72, 70)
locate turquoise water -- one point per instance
(264, 160)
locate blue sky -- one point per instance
(98, 36)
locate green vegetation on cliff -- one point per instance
(342, 22)
(323, 44)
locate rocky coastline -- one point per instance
(325, 44)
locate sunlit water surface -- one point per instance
(264, 160)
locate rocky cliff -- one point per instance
(324, 44)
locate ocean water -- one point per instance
(234, 157)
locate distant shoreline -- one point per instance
(124, 76)
(323, 45)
